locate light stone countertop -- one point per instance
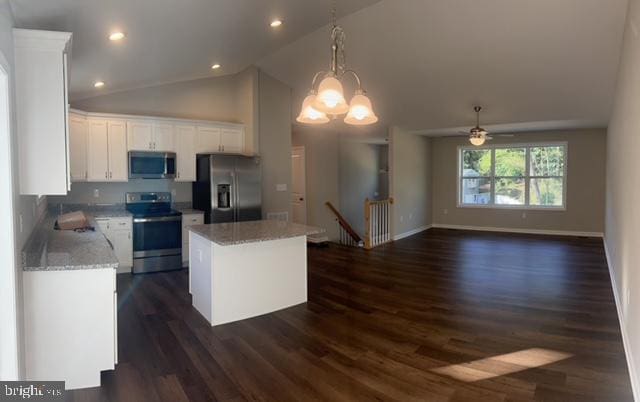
(228, 234)
(59, 250)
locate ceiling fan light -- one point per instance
(360, 111)
(310, 115)
(477, 140)
(330, 98)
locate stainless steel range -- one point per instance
(157, 232)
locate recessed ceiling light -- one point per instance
(215, 66)
(275, 23)
(115, 36)
(98, 84)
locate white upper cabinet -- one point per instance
(107, 150)
(97, 154)
(185, 140)
(140, 135)
(163, 137)
(232, 140)
(118, 157)
(78, 131)
(208, 140)
(41, 110)
(101, 153)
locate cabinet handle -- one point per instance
(110, 175)
(106, 175)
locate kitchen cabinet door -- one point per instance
(140, 136)
(78, 128)
(185, 141)
(118, 160)
(232, 140)
(97, 155)
(208, 139)
(122, 246)
(163, 137)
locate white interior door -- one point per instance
(298, 185)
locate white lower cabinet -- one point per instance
(189, 219)
(119, 232)
(70, 325)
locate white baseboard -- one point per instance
(633, 374)
(519, 230)
(411, 232)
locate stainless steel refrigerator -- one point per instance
(228, 188)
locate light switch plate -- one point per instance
(281, 187)
(96, 193)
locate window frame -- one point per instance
(527, 176)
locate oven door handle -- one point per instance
(158, 219)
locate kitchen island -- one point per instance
(244, 269)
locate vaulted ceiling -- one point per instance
(171, 40)
(424, 63)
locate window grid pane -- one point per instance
(504, 176)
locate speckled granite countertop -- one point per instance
(227, 234)
(58, 250)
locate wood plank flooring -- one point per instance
(441, 316)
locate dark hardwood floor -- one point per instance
(441, 316)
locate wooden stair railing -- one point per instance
(352, 234)
(377, 222)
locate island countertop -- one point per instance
(228, 234)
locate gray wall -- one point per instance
(275, 143)
(25, 207)
(410, 181)
(585, 186)
(359, 166)
(622, 231)
(321, 154)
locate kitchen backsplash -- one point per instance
(113, 193)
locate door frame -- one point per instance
(9, 331)
(302, 150)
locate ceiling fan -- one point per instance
(478, 135)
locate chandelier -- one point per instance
(326, 99)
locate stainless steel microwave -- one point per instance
(152, 165)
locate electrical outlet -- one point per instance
(446, 211)
(524, 215)
(281, 187)
(401, 218)
(96, 193)
(410, 216)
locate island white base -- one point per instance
(230, 283)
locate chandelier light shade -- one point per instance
(360, 111)
(309, 114)
(330, 98)
(327, 97)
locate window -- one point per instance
(518, 176)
